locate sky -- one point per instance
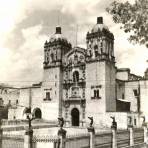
(25, 25)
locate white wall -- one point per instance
(122, 75)
(50, 110)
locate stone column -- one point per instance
(114, 137)
(62, 137)
(28, 138)
(131, 132)
(114, 133)
(91, 131)
(145, 133)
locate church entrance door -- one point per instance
(75, 117)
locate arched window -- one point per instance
(56, 55)
(96, 50)
(52, 57)
(101, 46)
(47, 58)
(75, 76)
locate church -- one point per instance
(79, 83)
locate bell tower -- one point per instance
(100, 42)
(100, 71)
(54, 51)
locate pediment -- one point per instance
(75, 56)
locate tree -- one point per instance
(133, 19)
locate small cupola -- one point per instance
(100, 42)
(100, 26)
(55, 49)
(58, 36)
(58, 30)
(99, 20)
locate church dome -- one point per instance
(58, 36)
(99, 26)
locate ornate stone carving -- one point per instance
(66, 103)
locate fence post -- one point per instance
(131, 132)
(28, 138)
(1, 133)
(114, 133)
(91, 131)
(145, 133)
(62, 137)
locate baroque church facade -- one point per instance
(85, 77)
(79, 83)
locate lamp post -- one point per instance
(30, 118)
(29, 130)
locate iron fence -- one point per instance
(101, 140)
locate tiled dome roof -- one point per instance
(99, 26)
(58, 36)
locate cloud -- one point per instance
(25, 65)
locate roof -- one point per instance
(123, 100)
(58, 36)
(100, 26)
(123, 69)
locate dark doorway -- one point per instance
(37, 113)
(75, 117)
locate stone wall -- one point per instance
(95, 77)
(123, 74)
(129, 94)
(52, 82)
(110, 87)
